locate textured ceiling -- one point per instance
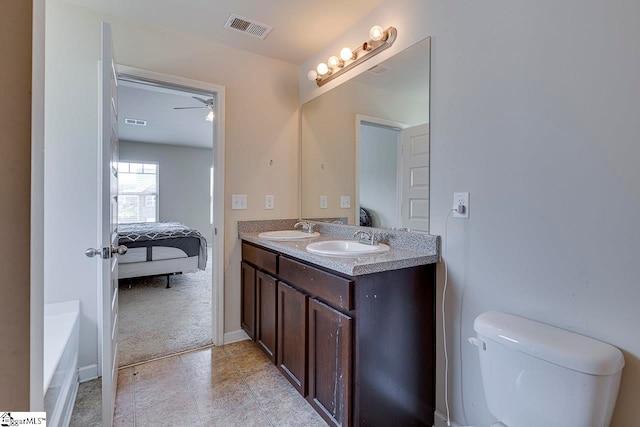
(164, 124)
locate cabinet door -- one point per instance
(248, 295)
(330, 357)
(292, 336)
(266, 289)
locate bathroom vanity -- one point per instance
(355, 336)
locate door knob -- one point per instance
(91, 252)
(120, 250)
(102, 253)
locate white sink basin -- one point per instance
(346, 248)
(287, 235)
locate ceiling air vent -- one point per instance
(248, 26)
(135, 122)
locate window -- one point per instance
(137, 192)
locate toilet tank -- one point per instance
(539, 375)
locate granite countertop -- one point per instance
(409, 250)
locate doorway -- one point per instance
(213, 229)
(378, 171)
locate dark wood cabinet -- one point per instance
(330, 358)
(266, 291)
(248, 297)
(360, 349)
(292, 336)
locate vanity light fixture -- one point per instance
(379, 40)
(210, 116)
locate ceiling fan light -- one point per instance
(210, 116)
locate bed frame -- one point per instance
(160, 249)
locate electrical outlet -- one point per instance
(323, 202)
(345, 201)
(238, 201)
(269, 201)
(461, 199)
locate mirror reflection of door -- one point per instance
(414, 189)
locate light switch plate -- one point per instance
(269, 201)
(458, 200)
(323, 202)
(238, 201)
(345, 201)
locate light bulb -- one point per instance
(322, 69)
(346, 54)
(335, 62)
(377, 33)
(210, 116)
(312, 75)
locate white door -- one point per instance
(109, 223)
(415, 178)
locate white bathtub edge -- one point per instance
(69, 310)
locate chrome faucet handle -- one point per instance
(306, 225)
(370, 238)
(362, 234)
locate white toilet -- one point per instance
(538, 375)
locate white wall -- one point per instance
(184, 176)
(378, 174)
(534, 111)
(261, 125)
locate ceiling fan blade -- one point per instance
(187, 108)
(204, 101)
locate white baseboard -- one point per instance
(235, 336)
(87, 373)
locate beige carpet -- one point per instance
(155, 321)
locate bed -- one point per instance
(160, 248)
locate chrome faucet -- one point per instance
(369, 238)
(306, 225)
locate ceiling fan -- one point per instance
(208, 103)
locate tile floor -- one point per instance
(233, 385)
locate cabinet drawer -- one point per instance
(263, 259)
(334, 290)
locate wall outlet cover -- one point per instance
(238, 201)
(458, 200)
(345, 202)
(269, 201)
(323, 202)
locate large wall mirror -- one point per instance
(365, 144)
